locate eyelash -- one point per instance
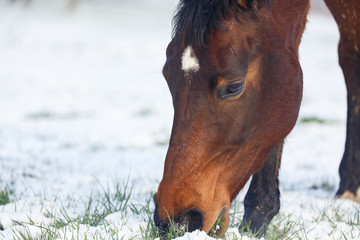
(231, 90)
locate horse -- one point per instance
(236, 84)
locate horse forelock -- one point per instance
(195, 20)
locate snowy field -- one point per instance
(85, 112)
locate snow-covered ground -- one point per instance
(83, 104)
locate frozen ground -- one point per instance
(83, 104)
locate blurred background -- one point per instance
(81, 92)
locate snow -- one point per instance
(195, 235)
(83, 103)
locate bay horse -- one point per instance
(236, 84)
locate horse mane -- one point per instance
(196, 19)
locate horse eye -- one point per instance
(231, 90)
(234, 88)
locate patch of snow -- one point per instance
(195, 235)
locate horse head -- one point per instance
(236, 84)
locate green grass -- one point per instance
(48, 115)
(324, 185)
(4, 196)
(281, 227)
(6, 193)
(312, 120)
(92, 221)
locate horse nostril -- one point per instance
(194, 219)
(163, 226)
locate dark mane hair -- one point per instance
(196, 19)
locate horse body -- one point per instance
(236, 84)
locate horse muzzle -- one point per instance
(190, 220)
